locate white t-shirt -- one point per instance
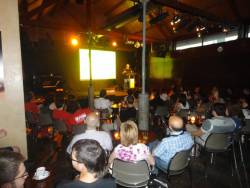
(100, 136)
(102, 103)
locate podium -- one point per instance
(129, 83)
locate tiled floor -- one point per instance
(43, 153)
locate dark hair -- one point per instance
(9, 166)
(28, 96)
(220, 109)
(182, 99)
(103, 93)
(130, 99)
(92, 155)
(72, 106)
(130, 92)
(59, 100)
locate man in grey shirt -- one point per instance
(102, 137)
(218, 124)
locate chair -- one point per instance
(178, 164)
(131, 174)
(221, 143)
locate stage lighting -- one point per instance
(74, 41)
(114, 43)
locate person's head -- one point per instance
(29, 96)
(130, 100)
(92, 121)
(219, 109)
(89, 157)
(182, 99)
(72, 106)
(129, 133)
(175, 123)
(127, 66)
(103, 93)
(13, 172)
(59, 101)
(130, 92)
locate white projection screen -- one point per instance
(103, 64)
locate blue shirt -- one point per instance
(173, 144)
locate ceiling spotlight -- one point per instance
(172, 23)
(114, 43)
(199, 35)
(74, 41)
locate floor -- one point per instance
(45, 153)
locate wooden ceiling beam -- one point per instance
(39, 10)
(191, 10)
(113, 8)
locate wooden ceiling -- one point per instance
(120, 19)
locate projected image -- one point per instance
(161, 67)
(103, 64)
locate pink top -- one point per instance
(132, 153)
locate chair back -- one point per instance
(179, 162)
(131, 174)
(183, 113)
(162, 111)
(218, 142)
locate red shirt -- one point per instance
(31, 107)
(79, 116)
(61, 115)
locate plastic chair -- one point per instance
(131, 174)
(220, 143)
(178, 164)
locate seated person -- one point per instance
(13, 173)
(178, 140)
(128, 113)
(30, 105)
(3, 133)
(129, 149)
(102, 103)
(59, 98)
(102, 137)
(89, 158)
(218, 124)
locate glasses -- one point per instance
(25, 174)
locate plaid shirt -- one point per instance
(173, 144)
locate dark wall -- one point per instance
(206, 66)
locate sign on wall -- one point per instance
(1, 67)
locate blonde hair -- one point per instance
(129, 133)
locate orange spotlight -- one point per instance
(74, 41)
(114, 43)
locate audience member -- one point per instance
(178, 140)
(219, 123)
(30, 105)
(102, 137)
(89, 158)
(129, 149)
(102, 103)
(128, 113)
(13, 173)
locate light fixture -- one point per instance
(114, 43)
(74, 41)
(137, 44)
(199, 35)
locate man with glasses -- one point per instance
(90, 160)
(12, 170)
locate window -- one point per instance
(191, 43)
(210, 42)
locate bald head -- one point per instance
(175, 123)
(92, 121)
